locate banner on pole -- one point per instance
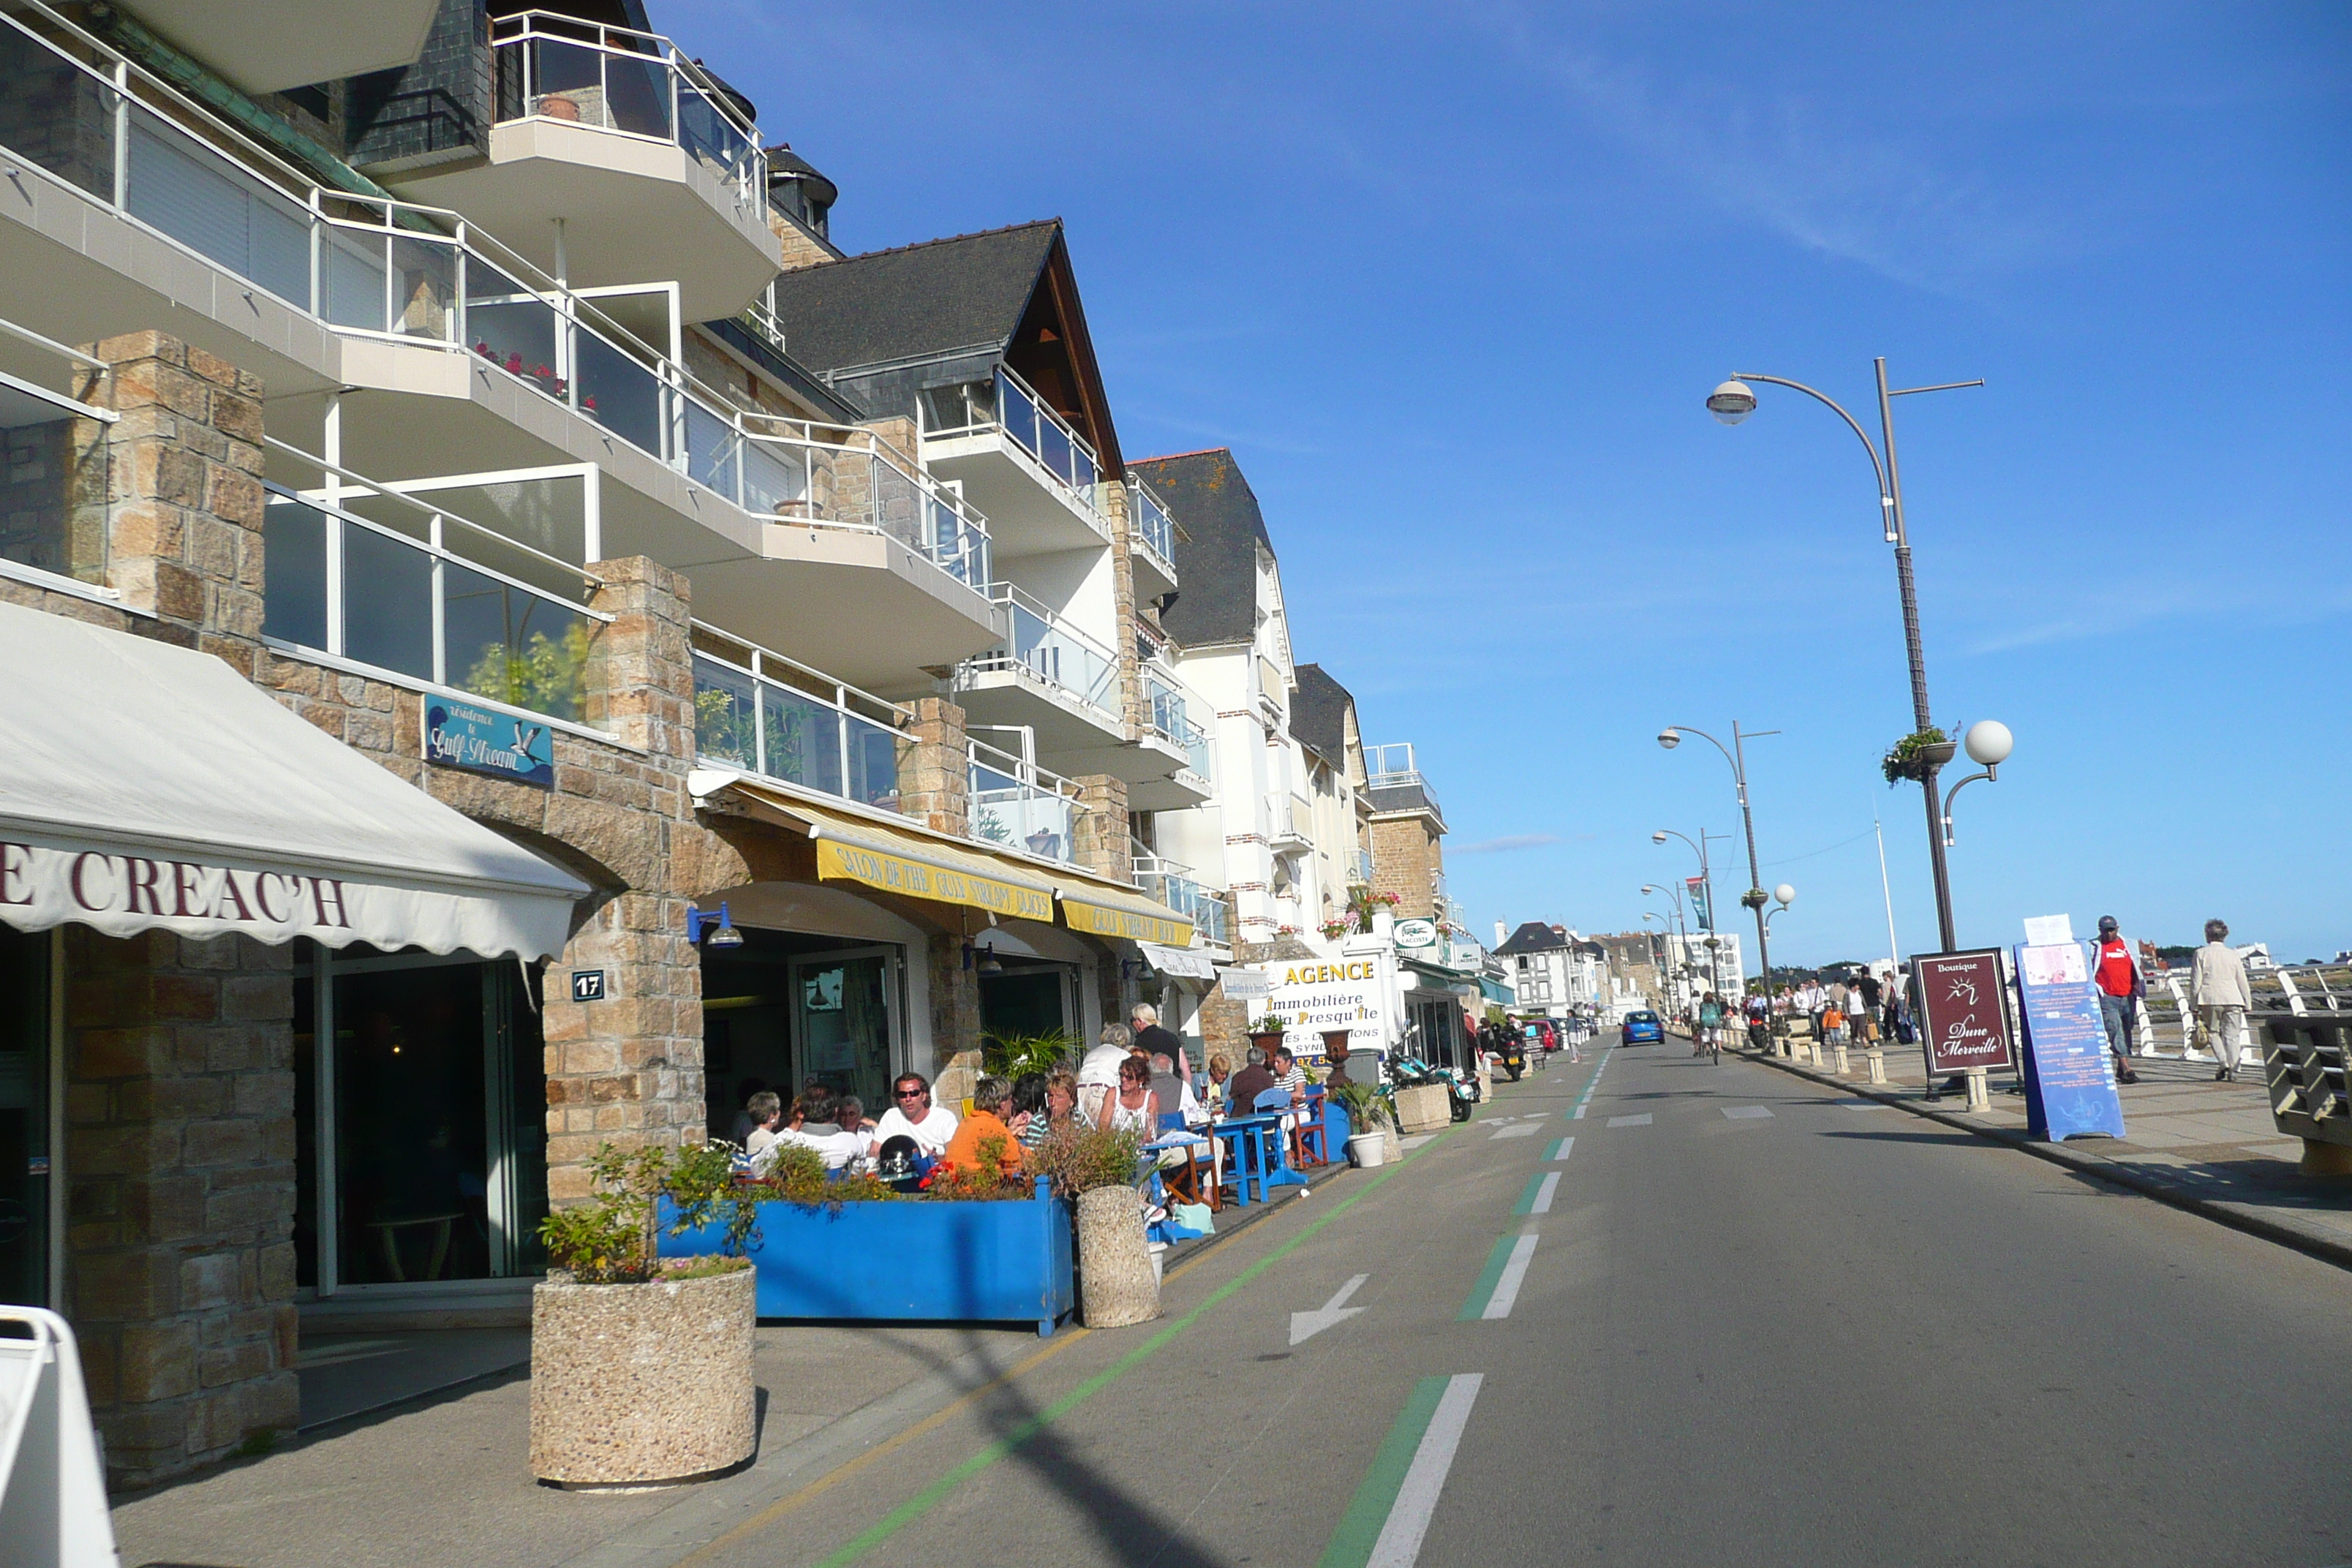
(1697, 885)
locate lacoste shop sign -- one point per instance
(1416, 933)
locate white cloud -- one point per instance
(1508, 846)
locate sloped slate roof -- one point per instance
(915, 300)
(1533, 937)
(1319, 715)
(1216, 553)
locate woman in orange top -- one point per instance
(986, 1120)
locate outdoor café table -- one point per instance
(1186, 1180)
(1257, 1154)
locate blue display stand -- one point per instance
(2070, 1084)
(915, 1260)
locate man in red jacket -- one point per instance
(2115, 971)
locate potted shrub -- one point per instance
(1117, 1283)
(1265, 1033)
(1368, 1118)
(641, 1366)
(1915, 755)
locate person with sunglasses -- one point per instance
(912, 1115)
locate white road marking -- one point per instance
(1863, 1104)
(1543, 1195)
(1518, 1130)
(1506, 1288)
(1746, 1113)
(1305, 1326)
(1417, 1500)
(1641, 1121)
(1565, 1146)
(1415, 1142)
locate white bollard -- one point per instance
(1843, 1067)
(1877, 1064)
(1980, 1092)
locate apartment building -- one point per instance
(477, 693)
(1323, 723)
(1552, 969)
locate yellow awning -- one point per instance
(1107, 911)
(910, 861)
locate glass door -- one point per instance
(25, 1116)
(845, 1022)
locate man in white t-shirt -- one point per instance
(1099, 1068)
(912, 1115)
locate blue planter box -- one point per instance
(910, 1259)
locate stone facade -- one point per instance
(180, 1207)
(1407, 860)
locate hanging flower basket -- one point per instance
(1917, 755)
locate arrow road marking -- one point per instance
(1305, 1326)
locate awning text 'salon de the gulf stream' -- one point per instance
(144, 786)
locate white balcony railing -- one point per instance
(412, 604)
(1043, 644)
(1171, 721)
(1008, 403)
(776, 717)
(1017, 803)
(372, 265)
(558, 67)
(1168, 882)
(1360, 868)
(56, 492)
(1149, 526)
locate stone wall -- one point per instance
(1406, 861)
(179, 1162)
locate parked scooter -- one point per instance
(1461, 1092)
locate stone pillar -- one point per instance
(955, 1025)
(627, 1070)
(180, 1158)
(1098, 838)
(935, 771)
(1134, 707)
(185, 467)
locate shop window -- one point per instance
(24, 1116)
(420, 1127)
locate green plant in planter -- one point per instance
(1272, 1023)
(1366, 1110)
(1010, 1056)
(1908, 759)
(1078, 1159)
(612, 1239)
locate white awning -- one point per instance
(144, 786)
(1177, 961)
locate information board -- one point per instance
(2070, 1083)
(1963, 1020)
(1313, 997)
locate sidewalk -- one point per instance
(446, 1478)
(2208, 1147)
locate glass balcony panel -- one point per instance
(803, 739)
(294, 566)
(53, 486)
(775, 476)
(197, 196)
(898, 506)
(624, 396)
(1197, 752)
(872, 762)
(1019, 414)
(565, 81)
(1023, 816)
(390, 624)
(57, 115)
(511, 327)
(1083, 474)
(713, 450)
(710, 137)
(1053, 450)
(636, 96)
(355, 271)
(424, 273)
(723, 716)
(514, 647)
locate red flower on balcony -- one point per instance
(514, 363)
(589, 404)
(485, 350)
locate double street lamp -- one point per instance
(1737, 755)
(1735, 400)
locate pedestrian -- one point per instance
(1710, 1023)
(2222, 999)
(1867, 983)
(2115, 971)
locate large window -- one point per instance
(24, 1116)
(420, 1119)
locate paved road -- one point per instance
(1754, 1324)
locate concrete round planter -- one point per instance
(1367, 1149)
(641, 1384)
(1117, 1283)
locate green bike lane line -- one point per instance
(1390, 1512)
(1590, 1084)
(923, 1501)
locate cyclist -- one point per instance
(1710, 1025)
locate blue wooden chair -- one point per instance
(1274, 1145)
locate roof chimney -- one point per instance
(1502, 933)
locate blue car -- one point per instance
(1642, 1029)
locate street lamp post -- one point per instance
(1681, 932)
(1989, 743)
(1706, 880)
(1737, 755)
(1733, 402)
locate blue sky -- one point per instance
(1452, 282)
